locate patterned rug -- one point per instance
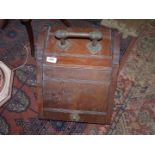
(134, 107)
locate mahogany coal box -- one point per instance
(77, 73)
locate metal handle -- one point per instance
(94, 36)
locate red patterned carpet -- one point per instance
(134, 110)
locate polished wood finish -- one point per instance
(27, 23)
(80, 85)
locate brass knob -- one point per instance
(74, 117)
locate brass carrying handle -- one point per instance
(94, 36)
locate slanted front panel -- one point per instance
(76, 94)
